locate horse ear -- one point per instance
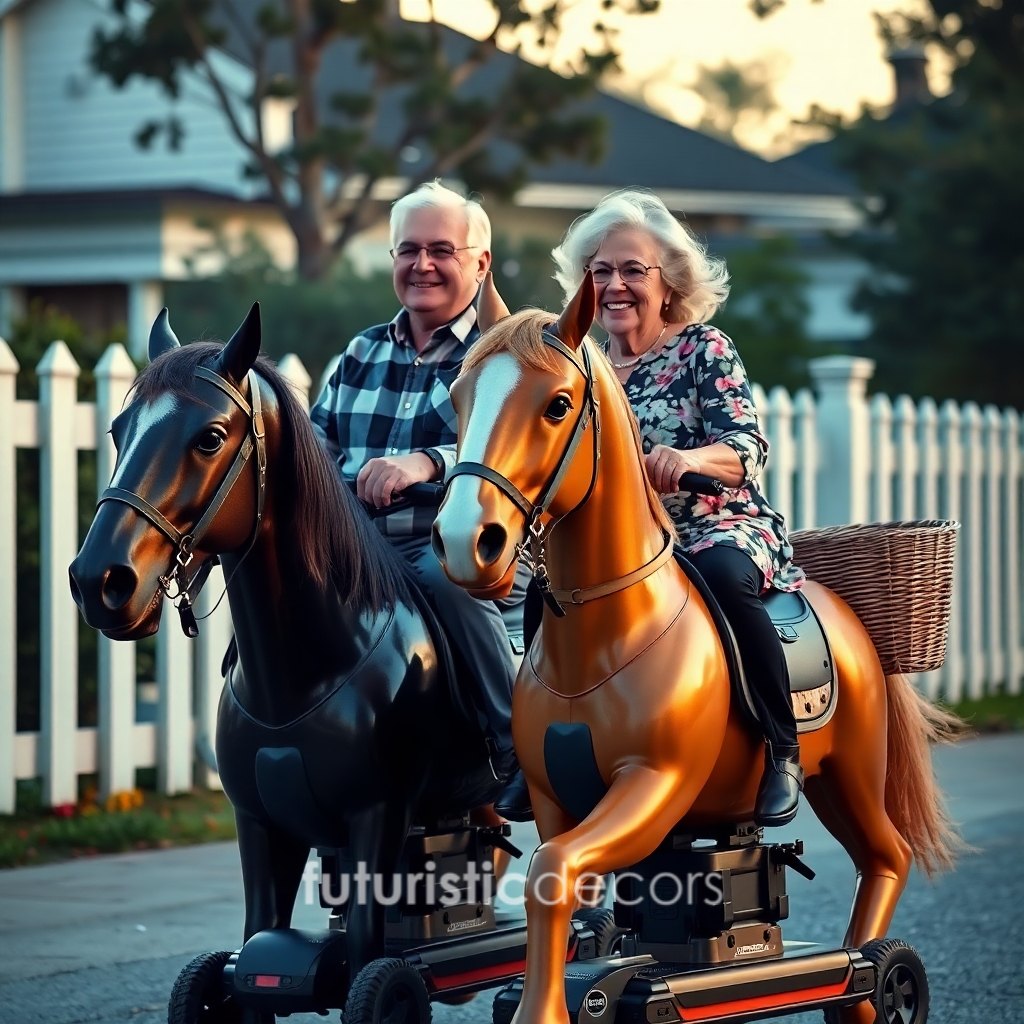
(241, 351)
(490, 307)
(578, 317)
(161, 337)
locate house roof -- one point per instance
(641, 148)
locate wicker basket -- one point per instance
(897, 578)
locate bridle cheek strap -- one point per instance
(185, 543)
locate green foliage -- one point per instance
(524, 274)
(312, 319)
(464, 107)
(35, 835)
(946, 215)
(767, 314)
(315, 319)
(996, 712)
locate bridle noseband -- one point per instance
(185, 543)
(534, 511)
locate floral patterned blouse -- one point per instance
(694, 392)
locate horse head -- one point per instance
(184, 487)
(525, 401)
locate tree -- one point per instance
(768, 312)
(369, 91)
(945, 211)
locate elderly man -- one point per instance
(386, 419)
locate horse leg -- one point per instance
(378, 835)
(641, 807)
(272, 869)
(850, 801)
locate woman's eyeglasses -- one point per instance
(436, 251)
(629, 273)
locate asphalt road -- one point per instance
(103, 939)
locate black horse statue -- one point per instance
(338, 724)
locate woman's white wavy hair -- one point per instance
(699, 283)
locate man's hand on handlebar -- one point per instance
(381, 481)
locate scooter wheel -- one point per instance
(387, 991)
(901, 994)
(601, 921)
(199, 995)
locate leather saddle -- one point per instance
(808, 655)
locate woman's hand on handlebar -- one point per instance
(382, 481)
(665, 467)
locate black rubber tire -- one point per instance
(387, 991)
(198, 995)
(601, 920)
(501, 1013)
(901, 994)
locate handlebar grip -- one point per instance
(421, 495)
(701, 483)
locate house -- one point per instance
(96, 225)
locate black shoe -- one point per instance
(513, 802)
(781, 785)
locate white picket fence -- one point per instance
(837, 457)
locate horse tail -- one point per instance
(913, 800)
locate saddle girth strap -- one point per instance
(583, 594)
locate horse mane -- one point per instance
(335, 539)
(521, 336)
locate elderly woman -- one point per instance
(656, 288)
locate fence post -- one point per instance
(994, 547)
(881, 458)
(174, 728)
(293, 370)
(906, 458)
(8, 580)
(806, 460)
(950, 504)
(116, 712)
(1011, 539)
(58, 540)
(970, 537)
(843, 437)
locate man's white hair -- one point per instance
(434, 194)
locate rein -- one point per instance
(184, 544)
(537, 531)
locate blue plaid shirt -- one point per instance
(385, 398)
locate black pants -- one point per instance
(736, 582)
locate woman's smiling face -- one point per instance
(629, 310)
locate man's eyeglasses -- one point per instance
(630, 273)
(437, 252)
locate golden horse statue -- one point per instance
(550, 455)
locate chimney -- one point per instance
(909, 65)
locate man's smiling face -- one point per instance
(437, 289)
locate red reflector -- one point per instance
(268, 981)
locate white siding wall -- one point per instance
(831, 286)
(78, 129)
(110, 248)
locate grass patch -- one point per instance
(133, 820)
(999, 712)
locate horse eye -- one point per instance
(209, 442)
(559, 408)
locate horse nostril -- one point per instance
(491, 543)
(437, 543)
(119, 583)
